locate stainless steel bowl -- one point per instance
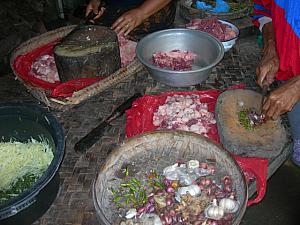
(209, 51)
(230, 43)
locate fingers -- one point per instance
(117, 23)
(123, 25)
(99, 14)
(271, 111)
(88, 10)
(261, 76)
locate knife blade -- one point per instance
(94, 135)
(263, 93)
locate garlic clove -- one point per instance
(151, 218)
(131, 213)
(193, 164)
(229, 205)
(213, 211)
(193, 190)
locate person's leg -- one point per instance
(294, 119)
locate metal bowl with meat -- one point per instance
(226, 32)
(180, 57)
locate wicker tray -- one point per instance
(188, 13)
(78, 96)
(158, 150)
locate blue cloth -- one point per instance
(221, 6)
(292, 13)
(202, 5)
(294, 119)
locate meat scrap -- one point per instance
(127, 50)
(184, 113)
(175, 60)
(44, 68)
(214, 27)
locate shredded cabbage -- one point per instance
(20, 159)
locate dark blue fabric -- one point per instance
(255, 17)
(260, 7)
(294, 119)
(124, 3)
(292, 13)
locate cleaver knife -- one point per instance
(93, 136)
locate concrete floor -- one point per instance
(280, 205)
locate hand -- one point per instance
(282, 99)
(94, 6)
(128, 21)
(268, 65)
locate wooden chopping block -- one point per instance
(88, 51)
(267, 140)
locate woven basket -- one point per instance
(188, 12)
(43, 95)
(157, 150)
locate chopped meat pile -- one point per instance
(127, 50)
(214, 27)
(44, 68)
(184, 113)
(175, 60)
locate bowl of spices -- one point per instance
(170, 177)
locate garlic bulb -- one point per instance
(229, 205)
(131, 213)
(214, 211)
(193, 164)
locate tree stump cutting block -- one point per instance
(88, 51)
(266, 140)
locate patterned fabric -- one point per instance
(163, 19)
(126, 3)
(296, 152)
(285, 15)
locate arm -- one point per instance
(133, 18)
(269, 63)
(282, 99)
(149, 7)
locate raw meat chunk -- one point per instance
(174, 60)
(214, 27)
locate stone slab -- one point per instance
(266, 140)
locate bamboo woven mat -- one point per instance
(73, 204)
